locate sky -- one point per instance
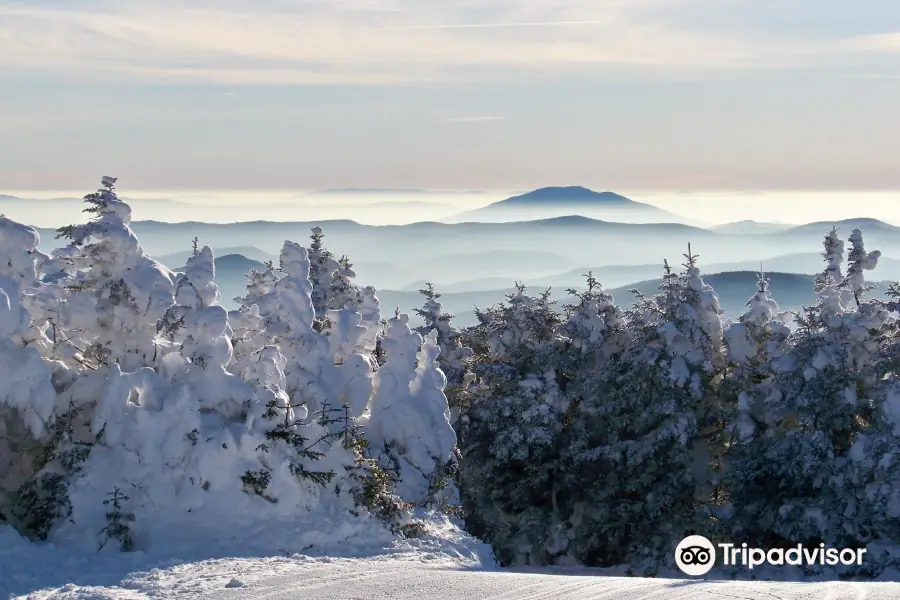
(450, 94)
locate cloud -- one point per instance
(888, 43)
(498, 25)
(239, 42)
(481, 119)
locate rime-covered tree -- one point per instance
(212, 416)
(410, 400)
(654, 462)
(858, 262)
(455, 356)
(826, 386)
(593, 321)
(342, 293)
(322, 266)
(370, 309)
(510, 437)
(27, 396)
(195, 289)
(259, 287)
(753, 343)
(871, 470)
(757, 348)
(116, 293)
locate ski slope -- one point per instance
(303, 578)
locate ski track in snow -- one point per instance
(304, 578)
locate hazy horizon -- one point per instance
(703, 208)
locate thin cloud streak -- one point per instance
(482, 119)
(496, 25)
(325, 43)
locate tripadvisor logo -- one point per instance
(695, 555)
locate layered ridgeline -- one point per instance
(137, 412)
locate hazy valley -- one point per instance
(547, 238)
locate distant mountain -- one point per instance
(578, 238)
(550, 202)
(382, 274)
(573, 195)
(393, 205)
(470, 285)
(497, 263)
(750, 227)
(542, 251)
(868, 226)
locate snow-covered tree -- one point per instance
(27, 396)
(653, 461)
(833, 255)
(753, 343)
(824, 390)
(871, 470)
(259, 284)
(370, 309)
(117, 294)
(195, 289)
(322, 266)
(511, 475)
(342, 293)
(454, 356)
(858, 262)
(410, 417)
(212, 414)
(593, 321)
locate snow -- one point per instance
(409, 401)
(288, 553)
(444, 567)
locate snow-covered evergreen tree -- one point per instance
(593, 321)
(195, 289)
(259, 284)
(322, 266)
(833, 255)
(410, 417)
(370, 309)
(27, 396)
(753, 343)
(117, 294)
(871, 470)
(858, 262)
(824, 389)
(342, 293)
(654, 462)
(210, 414)
(511, 475)
(454, 356)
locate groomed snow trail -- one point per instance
(409, 582)
(383, 579)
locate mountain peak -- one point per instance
(552, 202)
(570, 194)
